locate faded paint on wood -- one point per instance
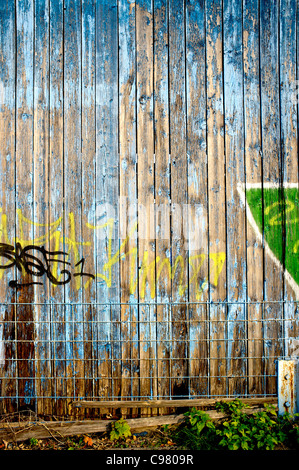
(289, 144)
(271, 152)
(130, 132)
(89, 182)
(235, 213)
(7, 194)
(24, 190)
(56, 198)
(197, 220)
(146, 245)
(128, 199)
(216, 192)
(41, 197)
(179, 194)
(253, 165)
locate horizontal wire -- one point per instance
(138, 397)
(93, 332)
(98, 379)
(146, 341)
(153, 303)
(157, 322)
(124, 360)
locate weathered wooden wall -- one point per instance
(131, 263)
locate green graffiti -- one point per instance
(276, 214)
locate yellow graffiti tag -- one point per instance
(147, 276)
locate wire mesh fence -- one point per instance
(53, 353)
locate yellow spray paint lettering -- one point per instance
(148, 276)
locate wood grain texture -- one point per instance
(7, 195)
(107, 189)
(24, 182)
(146, 194)
(289, 145)
(128, 199)
(56, 198)
(41, 199)
(197, 220)
(253, 165)
(179, 196)
(235, 213)
(273, 277)
(162, 194)
(216, 189)
(72, 166)
(131, 136)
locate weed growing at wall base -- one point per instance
(120, 430)
(261, 430)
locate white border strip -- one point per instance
(241, 187)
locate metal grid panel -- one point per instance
(54, 342)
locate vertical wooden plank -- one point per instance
(162, 195)
(73, 195)
(179, 194)
(89, 188)
(216, 190)
(145, 152)
(107, 186)
(41, 201)
(273, 279)
(128, 199)
(235, 213)
(56, 200)
(289, 149)
(253, 163)
(8, 385)
(197, 197)
(25, 196)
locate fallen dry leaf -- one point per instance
(88, 441)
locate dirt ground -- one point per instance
(146, 440)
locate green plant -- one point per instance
(234, 431)
(197, 432)
(234, 407)
(119, 430)
(238, 430)
(33, 441)
(260, 430)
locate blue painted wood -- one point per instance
(289, 138)
(162, 191)
(128, 195)
(253, 164)
(216, 191)
(107, 190)
(146, 194)
(197, 194)
(24, 192)
(179, 191)
(8, 385)
(96, 82)
(89, 184)
(56, 196)
(235, 174)
(41, 200)
(72, 82)
(271, 151)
